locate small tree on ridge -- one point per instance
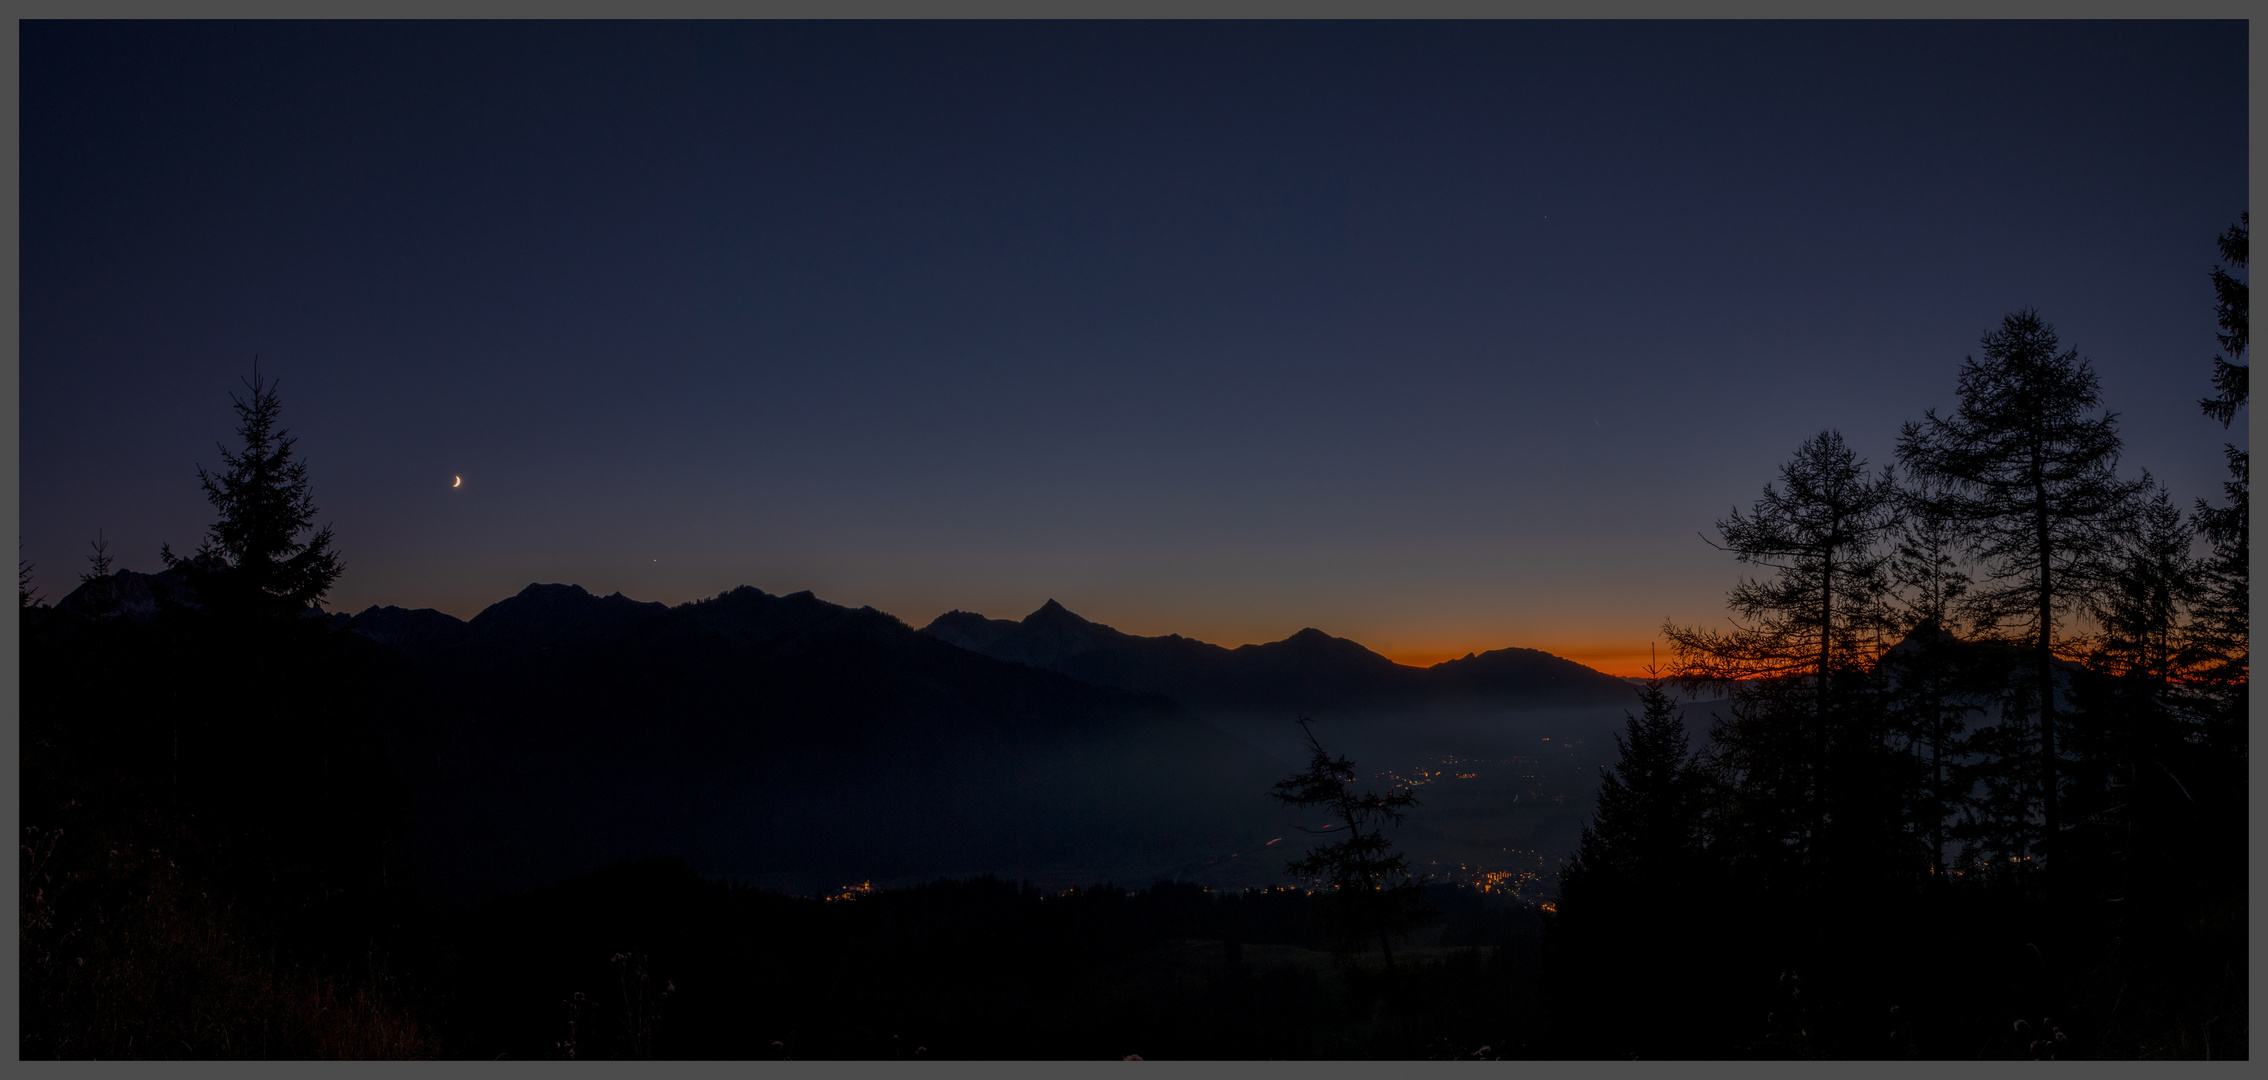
(1372, 891)
(253, 555)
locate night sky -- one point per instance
(1438, 336)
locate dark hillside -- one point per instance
(670, 965)
(766, 735)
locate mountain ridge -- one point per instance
(1310, 669)
(755, 734)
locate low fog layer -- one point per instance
(801, 744)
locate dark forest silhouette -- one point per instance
(1964, 778)
(1976, 783)
(212, 861)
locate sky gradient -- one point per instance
(1442, 337)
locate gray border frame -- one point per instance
(11, 508)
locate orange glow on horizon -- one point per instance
(1618, 660)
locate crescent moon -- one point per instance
(460, 482)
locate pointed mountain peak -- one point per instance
(1052, 612)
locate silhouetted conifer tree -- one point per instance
(100, 591)
(1371, 893)
(2132, 733)
(1803, 747)
(219, 822)
(1927, 568)
(253, 559)
(1822, 608)
(1645, 832)
(2029, 462)
(2233, 298)
(2222, 633)
(279, 755)
(1666, 851)
(1935, 682)
(2142, 607)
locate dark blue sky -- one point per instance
(1441, 336)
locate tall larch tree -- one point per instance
(2029, 462)
(1817, 619)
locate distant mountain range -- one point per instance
(757, 734)
(1309, 672)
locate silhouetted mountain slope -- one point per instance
(758, 734)
(1527, 675)
(1310, 671)
(412, 631)
(135, 595)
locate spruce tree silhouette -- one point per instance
(2029, 460)
(276, 748)
(1638, 877)
(230, 822)
(2234, 297)
(1647, 825)
(253, 561)
(101, 591)
(26, 597)
(1371, 892)
(2223, 629)
(2223, 613)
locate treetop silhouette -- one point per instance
(1817, 530)
(2233, 298)
(1372, 892)
(1647, 824)
(2029, 465)
(2222, 630)
(253, 555)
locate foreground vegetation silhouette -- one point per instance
(1973, 773)
(212, 860)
